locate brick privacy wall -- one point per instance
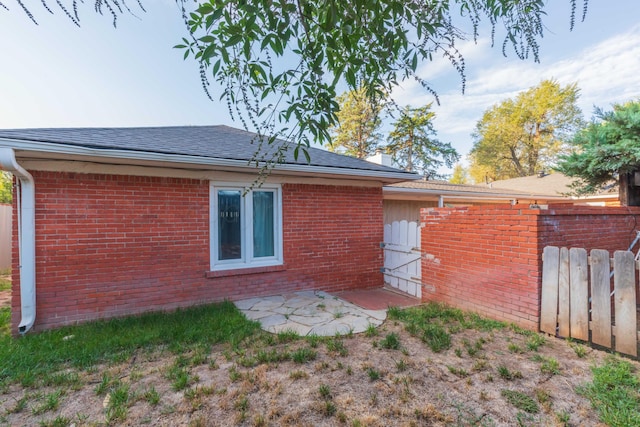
(110, 245)
(489, 259)
(611, 228)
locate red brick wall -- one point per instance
(611, 228)
(110, 245)
(488, 259)
(332, 236)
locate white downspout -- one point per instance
(26, 237)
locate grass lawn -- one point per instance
(427, 365)
(615, 392)
(5, 323)
(31, 359)
(5, 285)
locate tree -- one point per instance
(361, 43)
(413, 145)
(460, 175)
(279, 62)
(521, 136)
(481, 174)
(607, 148)
(356, 133)
(6, 187)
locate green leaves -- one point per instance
(357, 132)
(414, 146)
(525, 134)
(6, 187)
(279, 63)
(609, 145)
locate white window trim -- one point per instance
(246, 217)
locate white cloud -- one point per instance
(441, 65)
(606, 73)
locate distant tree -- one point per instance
(526, 134)
(357, 132)
(413, 145)
(6, 187)
(608, 147)
(460, 175)
(481, 174)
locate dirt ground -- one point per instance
(352, 381)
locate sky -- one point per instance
(58, 75)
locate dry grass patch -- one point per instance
(428, 365)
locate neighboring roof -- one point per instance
(444, 188)
(212, 145)
(440, 186)
(548, 184)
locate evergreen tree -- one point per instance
(414, 146)
(607, 147)
(357, 133)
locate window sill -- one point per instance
(244, 271)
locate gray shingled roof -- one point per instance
(216, 142)
(552, 184)
(457, 188)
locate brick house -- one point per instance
(118, 221)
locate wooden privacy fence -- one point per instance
(580, 301)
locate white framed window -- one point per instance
(245, 226)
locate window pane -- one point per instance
(263, 239)
(229, 234)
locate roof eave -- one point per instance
(466, 194)
(613, 196)
(50, 150)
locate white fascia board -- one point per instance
(145, 156)
(465, 194)
(597, 197)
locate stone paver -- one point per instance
(309, 313)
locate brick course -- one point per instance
(112, 245)
(487, 259)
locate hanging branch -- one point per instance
(114, 7)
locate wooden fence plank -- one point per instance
(625, 302)
(563, 294)
(579, 294)
(549, 299)
(418, 244)
(414, 268)
(388, 255)
(600, 298)
(402, 240)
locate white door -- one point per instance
(402, 269)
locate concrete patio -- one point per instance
(323, 314)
